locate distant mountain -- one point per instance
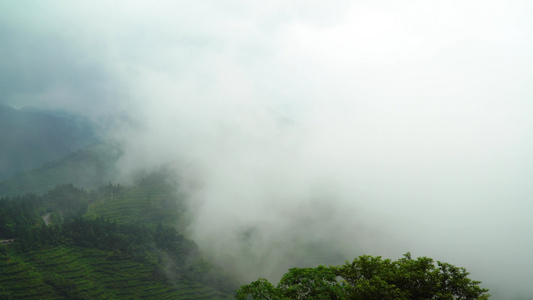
(30, 137)
(88, 167)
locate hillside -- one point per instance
(89, 167)
(82, 273)
(114, 242)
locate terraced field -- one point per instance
(114, 242)
(19, 280)
(139, 204)
(69, 272)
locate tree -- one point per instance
(369, 277)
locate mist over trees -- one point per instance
(74, 221)
(301, 133)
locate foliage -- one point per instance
(68, 272)
(16, 215)
(66, 199)
(82, 254)
(369, 277)
(65, 287)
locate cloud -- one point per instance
(308, 133)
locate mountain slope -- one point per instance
(31, 137)
(114, 242)
(89, 167)
(82, 273)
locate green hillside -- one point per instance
(78, 273)
(145, 204)
(113, 242)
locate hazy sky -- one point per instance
(308, 132)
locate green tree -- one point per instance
(369, 277)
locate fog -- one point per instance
(307, 132)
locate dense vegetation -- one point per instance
(122, 242)
(113, 242)
(370, 278)
(119, 242)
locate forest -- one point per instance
(68, 232)
(81, 255)
(61, 244)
